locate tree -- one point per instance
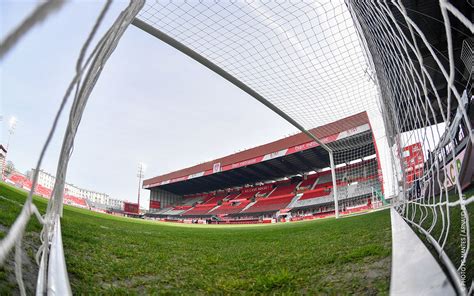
(9, 168)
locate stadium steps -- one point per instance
(327, 177)
(305, 183)
(191, 201)
(313, 201)
(272, 204)
(231, 196)
(215, 199)
(248, 206)
(235, 197)
(295, 200)
(316, 182)
(283, 189)
(269, 194)
(298, 185)
(175, 212)
(230, 208)
(214, 208)
(187, 210)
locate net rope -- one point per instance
(320, 61)
(295, 54)
(87, 73)
(428, 207)
(39, 14)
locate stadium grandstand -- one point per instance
(358, 79)
(286, 178)
(21, 181)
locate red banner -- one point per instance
(413, 160)
(155, 204)
(218, 167)
(129, 207)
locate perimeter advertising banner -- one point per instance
(453, 169)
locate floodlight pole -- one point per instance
(213, 67)
(140, 175)
(11, 131)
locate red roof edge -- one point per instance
(297, 139)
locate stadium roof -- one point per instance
(427, 15)
(289, 156)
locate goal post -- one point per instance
(52, 276)
(313, 63)
(317, 62)
(238, 83)
(334, 183)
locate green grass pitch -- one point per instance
(114, 255)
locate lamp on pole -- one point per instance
(140, 175)
(11, 130)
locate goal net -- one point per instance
(422, 58)
(315, 62)
(408, 64)
(52, 274)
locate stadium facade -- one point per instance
(99, 199)
(289, 177)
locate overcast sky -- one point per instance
(151, 104)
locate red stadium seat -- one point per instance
(320, 192)
(75, 201)
(309, 181)
(283, 189)
(231, 207)
(270, 204)
(200, 209)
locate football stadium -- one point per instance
(291, 179)
(371, 192)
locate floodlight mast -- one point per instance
(210, 65)
(11, 130)
(140, 175)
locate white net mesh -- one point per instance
(304, 57)
(298, 55)
(426, 100)
(358, 174)
(322, 61)
(52, 276)
(325, 60)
